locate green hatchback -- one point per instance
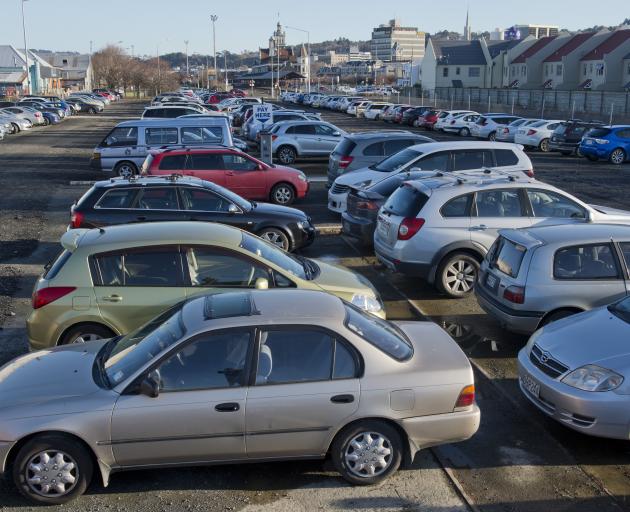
(109, 281)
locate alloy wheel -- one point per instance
(286, 155)
(283, 194)
(51, 473)
(86, 337)
(617, 157)
(277, 238)
(544, 145)
(460, 276)
(126, 171)
(368, 454)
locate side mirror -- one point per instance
(150, 385)
(262, 283)
(336, 134)
(233, 208)
(261, 167)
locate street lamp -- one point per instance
(28, 73)
(214, 18)
(186, 43)
(308, 54)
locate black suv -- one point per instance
(174, 198)
(567, 136)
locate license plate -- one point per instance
(589, 142)
(492, 282)
(530, 385)
(383, 227)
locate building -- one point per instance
(76, 69)
(501, 55)
(393, 42)
(467, 29)
(526, 69)
(357, 70)
(602, 68)
(497, 35)
(42, 77)
(538, 31)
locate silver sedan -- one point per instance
(241, 376)
(577, 370)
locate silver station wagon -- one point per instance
(242, 376)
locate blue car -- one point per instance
(51, 118)
(610, 143)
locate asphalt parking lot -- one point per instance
(519, 460)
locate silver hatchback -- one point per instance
(296, 139)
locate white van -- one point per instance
(124, 149)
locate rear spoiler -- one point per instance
(71, 239)
(521, 237)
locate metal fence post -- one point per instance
(542, 110)
(612, 106)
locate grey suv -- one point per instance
(362, 149)
(295, 139)
(440, 228)
(535, 276)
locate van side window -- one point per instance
(586, 262)
(120, 137)
(202, 135)
(160, 136)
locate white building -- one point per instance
(393, 42)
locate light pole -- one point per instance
(225, 69)
(308, 55)
(159, 84)
(186, 43)
(214, 18)
(28, 72)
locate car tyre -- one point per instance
(457, 274)
(277, 237)
(15, 128)
(544, 145)
(286, 154)
(46, 121)
(283, 194)
(92, 110)
(125, 169)
(68, 458)
(82, 333)
(464, 132)
(378, 442)
(618, 156)
(492, 136)
(558, 315)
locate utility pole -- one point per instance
(186, 43)
(225, 69)
(214, 18)
(159, 84)
(28, 72)
(132, 51)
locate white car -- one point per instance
(461, 124)
(537, 135)
(434, 156)
(359, 108)
(447, 116)
(374, 109)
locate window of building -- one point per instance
(559, 70)
(457, 71)
(474, 72)
(600, 69)
(445, 71)
(584, 69)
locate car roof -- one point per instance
(195, 150)
(218, 120)
(465, 144)
(467, 181)
(152, 233)
(560, 234)
(143, 181)
(378, 134)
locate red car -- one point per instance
(429, 119)
(234, 170)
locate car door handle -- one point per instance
(480, 227)
(227, 407)
(229, 173)
(342, 399)
(112, 298)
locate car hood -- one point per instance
(276, 209)
(60, 373)
(364, 175)
(337, 279)
(593, 337)
(283, 169)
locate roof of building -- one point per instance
(496, 47)
(458, 52)
(615, 40)
(12, 77)
(533, 49)
(573, 44)
(68, 60)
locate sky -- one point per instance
(163, 25)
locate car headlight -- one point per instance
(303, 224)
(591, 377)
(367, 302)
(302, 176)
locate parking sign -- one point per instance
(263, 113)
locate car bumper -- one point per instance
(523, 322)
(563, 146)
(337, 202)
(304, 237)
(526, 141)
(603, 414)
(439, 429)
(422, 270)
(596, 151)
(361, 229)
(505, 137)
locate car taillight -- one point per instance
(506, 130)
(531, 132)
(367, 205)
(409, 227)
(466, 397)
(515, 294)
(76, 220)
(51, 294)
(530, 173)
(274, 137)
(345, 161)
(38, 114)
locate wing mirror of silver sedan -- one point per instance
(150, 385)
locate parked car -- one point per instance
(363, 149)
(136, 271)
(18, 124)
(34, 116)
(374, 109)
(460, 124)
(441, 228)
(125, 148)
(488, 125)
(435, 156)
(320, 377)
(567, 136)
(278, 116)
(232, 169)
(507, 133)
(82, 105)
(539, 275)
(579, 383)
(428, 119)
(610, 143)
(359, 109)
(171, 111)
(298, 139)
(536, 135)
(177, 198)
(446, 116)
(410, 116)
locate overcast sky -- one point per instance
(247, 24)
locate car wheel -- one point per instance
(46, 121)
(578, 152)
(83, 333)
(276, 237)
(15, 128)
(457, 274)
(92, 110)
(52, 469)
(618, 156)
(493, 136)
(464, 132)
(558, 315)
(283, 194)
(367, 452)
(125, 169)
(544, 145)
(286, 154)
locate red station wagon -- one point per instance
(248, 177)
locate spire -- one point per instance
(467, 31)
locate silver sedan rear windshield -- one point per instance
(507, 256)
